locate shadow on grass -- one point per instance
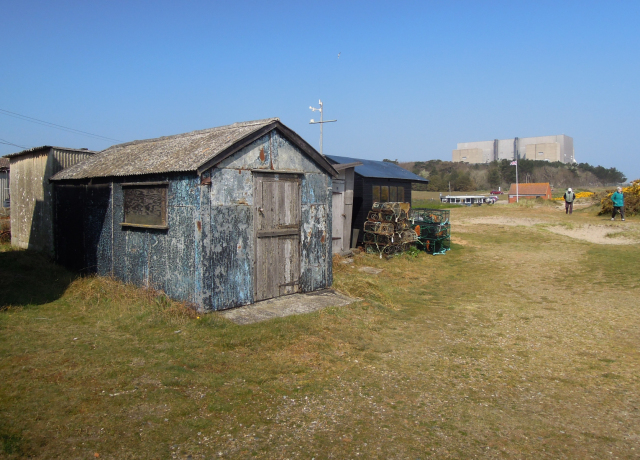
(30, 278)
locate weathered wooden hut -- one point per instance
(379, 181)
(220, 218)
(32, 194)
(4, 182)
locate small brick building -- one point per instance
(539, 190)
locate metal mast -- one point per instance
(321, 122)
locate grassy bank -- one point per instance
(518, 343)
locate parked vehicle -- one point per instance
(496, 192)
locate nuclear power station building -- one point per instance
(545, 148)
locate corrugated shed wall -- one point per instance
(32, 195)
(4, 187)
(166, 260)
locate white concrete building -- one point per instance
(546, 148)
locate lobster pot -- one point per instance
(382, 228)
(408, 236)
(403, 225)
(433, 229)
(434, 216)
(380, 216)
(429, 230)
(436, 246)
(374, 238)
(399, 210)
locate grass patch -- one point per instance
(517, 340)
(432, 204)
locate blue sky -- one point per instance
(413, 78)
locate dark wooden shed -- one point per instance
(380, 181)
(220, 218)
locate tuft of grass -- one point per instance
(441, 358)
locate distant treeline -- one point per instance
(467, 177)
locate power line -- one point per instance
(54, 125)
(6, 142)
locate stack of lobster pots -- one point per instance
(433, 229)
(388, 229)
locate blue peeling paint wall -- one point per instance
(228, 264)
(167, 260)
(206, 256)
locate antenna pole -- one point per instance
(321, 122)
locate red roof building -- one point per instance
(540, 190)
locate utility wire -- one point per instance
(6, 142)
(54, 125)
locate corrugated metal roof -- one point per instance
(44, 147)
(4, 162)
(530, 189)
(180, 153)
(381, 169)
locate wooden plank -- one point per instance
(281, 264)
(281, 204)
(276, 171)
(278, 232)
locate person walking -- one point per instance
(569, 197)
(618, 203)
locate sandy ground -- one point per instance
(594, 234)
(501, 221)
(598, 234)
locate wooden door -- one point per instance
(277, 230)
(338, 217)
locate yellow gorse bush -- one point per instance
(631, 199)
(578, 195)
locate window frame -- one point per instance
(375, 193)
(163, 185)
(384, 189)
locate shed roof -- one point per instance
(530, 189)
(380, 169)
(4, 162)
(47, 147)
(194, 151)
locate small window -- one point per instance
(401, 194)
(145, 204)
(376, 193)
(384, 193)
(393, 193)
